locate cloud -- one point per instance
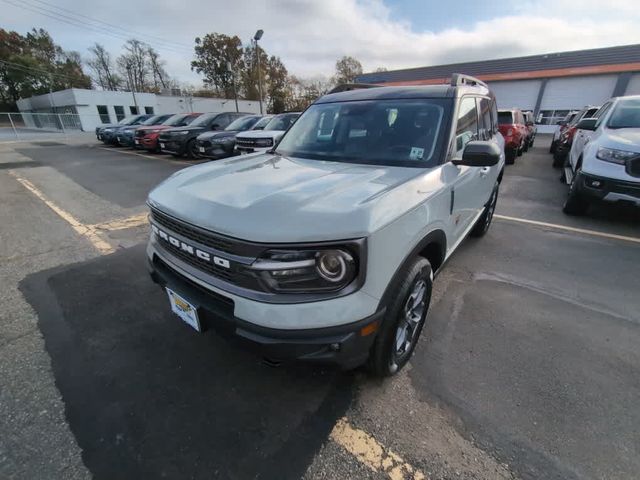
(311, 35)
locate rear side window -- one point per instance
(466, 124)
(486, 129)
(505, 118)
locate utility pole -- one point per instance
(133, 88)
(233, 82)
(257, 37)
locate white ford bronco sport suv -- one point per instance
(325, 248)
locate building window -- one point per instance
(134, 110)
(104, 113)
(148, 110)
(119, 109)
(550, 117)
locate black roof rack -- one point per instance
(458, 79)
(345, 87)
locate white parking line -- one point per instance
(86, 231)
(566, 228)
(129, 153)
(372, 453)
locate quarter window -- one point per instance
(486, 130)
(466, 125)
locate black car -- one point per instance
(125, 136)
(182, 140)
(108, 134)
(221, 144)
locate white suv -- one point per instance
(262, 140)
(604, 161)
(324, 249)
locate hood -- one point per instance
(185, 128)
(220, 134)
(272, 198)
(622, 138)
(261, 134)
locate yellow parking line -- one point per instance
(129, 222)
(372, 453)
(86, 231)
(556, 226)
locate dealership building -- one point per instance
(87, 109)
(550, 85)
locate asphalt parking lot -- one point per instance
(528, 368)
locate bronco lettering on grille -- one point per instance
(190, 249)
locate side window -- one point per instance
(466, 124)
(494, 115)
(486, 129)
(221, 120)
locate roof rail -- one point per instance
(458, 79)
(345, 87)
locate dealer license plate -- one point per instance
(119, 140)
(137, 141)
(162, 145)
(201, 149)
(184, 310)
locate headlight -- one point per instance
(615, 156)
(313, 270)
(106, 130)
(183, 132)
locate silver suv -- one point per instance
(325, 248)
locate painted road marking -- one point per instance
(128, 153)
(372, 453)
(87, 231)
(129, 222)
(556, 226)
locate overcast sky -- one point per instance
(310, 35)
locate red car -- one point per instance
(512, 127)
(567, 131)
(147, 137)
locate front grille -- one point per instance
(254, 142)
(140, 133)
(207, 238)
(204, 143)
(633, 167)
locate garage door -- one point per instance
(576, 92)
(634, 85)
(520, 94)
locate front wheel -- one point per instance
(576, 203)
(510, 156)
(403, 321)
(484, 222)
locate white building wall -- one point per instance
(576, 92)
(520, 94)
(633, 88)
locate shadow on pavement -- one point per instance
(146, 397)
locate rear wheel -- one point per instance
(192, 149)
(510, 156)
(576, 203)
(558, 158)
(552, 148)
(484, 222)
(403, 320)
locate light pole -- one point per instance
(257, 37)
(233, 82)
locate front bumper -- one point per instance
(172, 145)
(608, 189)
(125, 140)
(213, 150)
(345, 345)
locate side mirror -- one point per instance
(587, 124)
(561, 122)
(479, 153)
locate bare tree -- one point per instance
(160, 77)
(134, 65)
(103, 70)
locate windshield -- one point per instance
(152, 120)
(262, 123)
(178, 120)
(203, 119)
(388, 132)
(242, 123)
(282, 121)
(626, 114)
(505, 118)
(128, 120)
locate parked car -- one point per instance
(107, 134)
(147, 137)
(514, 131)
(261, 141)
(604, 161)
(179, 141)
(325, 249)
(222, 144)
(126, 136)
(565, 140)
(562, 125)
(531, 128)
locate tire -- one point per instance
(521, 150)
(403, 321)
(525, 146)
(510, 156)
(558, 158)
(191, 149)
(484, 222)
(576, 203)
(552, 148)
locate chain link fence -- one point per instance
(27, 126)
